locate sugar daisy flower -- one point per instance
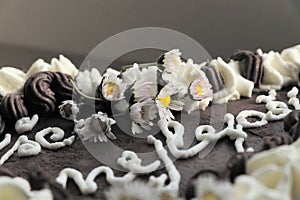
(166, 101)
(132, 191)
(200, 88)
(146, 87)
(208, 188)
(112, 86)
(95, 128)
(183, 73)
(142, 114)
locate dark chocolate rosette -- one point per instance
(61, 86)
(44, 91)
(251, 66)
(13, 108)
(214, 77)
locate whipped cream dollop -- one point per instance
(13, 79)
(19, 188)
(275, 172)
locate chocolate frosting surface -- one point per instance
(292, 125)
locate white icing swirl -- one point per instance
(89, 186)
(24, 146)
(57, 134)
(26, 124)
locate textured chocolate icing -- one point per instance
(277, 140)
(50, 162)
(44, 91)
(214, 77)
(291, 124)
(13, 108)
(251, 65)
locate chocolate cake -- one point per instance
(211, 129)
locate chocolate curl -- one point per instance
(251, 66)
(214, 77)
(13, 108)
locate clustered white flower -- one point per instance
(150, 100)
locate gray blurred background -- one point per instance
(45, 28)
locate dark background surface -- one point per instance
(39, 28)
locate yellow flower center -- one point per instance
(210, 196)
(199, 90)
(110, 89)
(165, 101)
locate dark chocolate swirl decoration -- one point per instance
(214, 77)
(13, 108)
(291, 124)
(39, 96)
(61, 86)
(277, 140)
(237, 165)
(44, 91)
(251, 66)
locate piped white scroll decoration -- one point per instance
(5, 141)
(236, 134)
(266, 98)
(278, 110)
(57, 134)
(173, 173)
(24, 146)
(26, 124)
(89, 186)
(133, 163)
(242, 118)
(293, 100)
